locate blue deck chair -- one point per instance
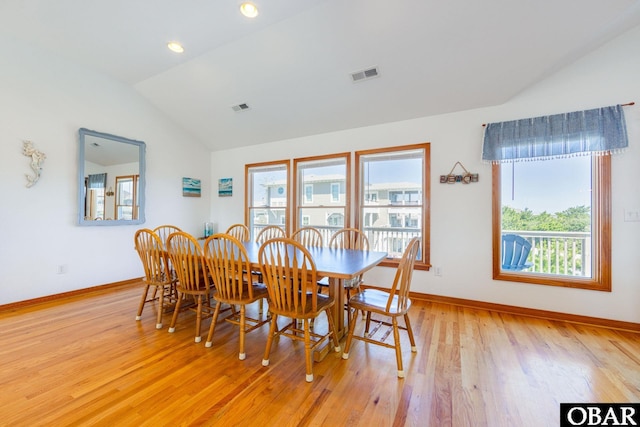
(515, 250)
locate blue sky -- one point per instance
(548, 185)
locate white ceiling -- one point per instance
(292, 63)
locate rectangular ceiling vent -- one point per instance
(240, 107)
(365, 74)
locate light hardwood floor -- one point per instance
(86, 361)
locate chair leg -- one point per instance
(307, 351)
(212, 327)
(347, 306)
(347, 346)
(174, 318)
(160, 307)
(349, 295)
(144, 299)
(410, 332)
(242, 354)
(174, 291)
(198, 319)
(396, 339)
(272, 331)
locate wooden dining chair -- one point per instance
(243, 234)
(270, 232)
(193, 280)
(391, 305)
(240, 232)
(228, 264)
(163, 232)
(157, 275)
(348, 238)
(308, 237)
(289, 273)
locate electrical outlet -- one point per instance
(62, 269)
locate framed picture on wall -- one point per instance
(225, 187)
(190, 187)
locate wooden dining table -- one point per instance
(337, 265)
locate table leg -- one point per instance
(335, 291)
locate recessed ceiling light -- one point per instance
(175, 47)
(249, 10)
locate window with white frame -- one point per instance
(308, 193)
(335, 192)
(335, 220)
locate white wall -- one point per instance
(46, 100)
(461, 214)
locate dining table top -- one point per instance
(335, 264)
(331, 262)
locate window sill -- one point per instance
(393, 263)
(587, 283)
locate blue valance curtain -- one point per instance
(98, 180)
(597, 131)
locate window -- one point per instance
(322, 192)
(266, 195)
(562, 208)
(126, 197)
(336, 220)
(94, 196)
(393, 199)
(308, 193)
(335, 192)
(556, 204)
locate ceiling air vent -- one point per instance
(365, 74)
(240, 107)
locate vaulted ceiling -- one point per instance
(292, 64)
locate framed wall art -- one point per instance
(225, 187)
(191, 187)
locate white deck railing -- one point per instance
(552, 252)
(556, 252)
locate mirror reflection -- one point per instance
(111, 179)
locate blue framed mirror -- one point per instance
(111, 179)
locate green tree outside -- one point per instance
(577, 218)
